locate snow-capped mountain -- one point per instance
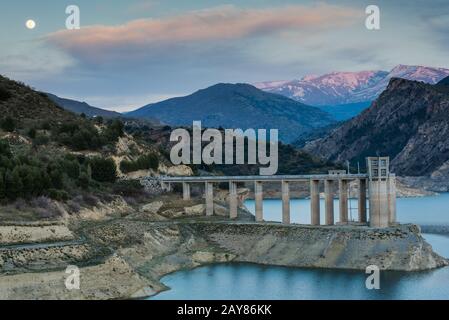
(339, 88)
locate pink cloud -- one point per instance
(216, 24)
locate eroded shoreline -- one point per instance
(125, 257)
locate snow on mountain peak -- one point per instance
(349, 87)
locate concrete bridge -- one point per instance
(378, 185)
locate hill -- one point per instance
(83, 108)
(26, 106)
(445, 81)
(238, 106)
(409, 122)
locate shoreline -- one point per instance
(138, 250)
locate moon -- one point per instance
(30, 24)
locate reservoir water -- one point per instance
(248, 281)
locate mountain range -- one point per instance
(341, 88)
(238, 106)
(409, 122)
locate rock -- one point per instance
(212, 257)
(34, 234)
(152, 207)
(197, 210)
(180, 171)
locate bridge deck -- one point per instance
(265, 178)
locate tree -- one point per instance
(13, 182)
(113, 131)
(2, 184)
(103, 170)
(4, 94)
(4, 149)
(32, 133)
(8, 124)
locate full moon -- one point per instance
(30, 24)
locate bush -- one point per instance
(8, 124)
(4, 149)
(4, 94)
(40, 140)
(103, 170)
(113, 131)
(32, 133)
(128, 188)
(146, 162)
(59, 195)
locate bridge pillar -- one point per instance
(362, 200)
(382, 192)
(392, 199)
(233, 200)
(285, 202)
(343, 200)
(315, 202)
(258, 195)
(186, 191)
(378, 203)
(209, 199)
(329, 201)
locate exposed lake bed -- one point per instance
(170, 240)
(252, 281)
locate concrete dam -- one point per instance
(378, 186)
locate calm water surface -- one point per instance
(248, 281)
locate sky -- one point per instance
(130, 53)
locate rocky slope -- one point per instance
(409, 122)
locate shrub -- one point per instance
(103, 170)
(40, 140)
(5, 149)
(128, 188)
(4, 94)
(59, 195)
(8, 124)
(2, 184)
(113, 131)
(149, 161)
(45, 208)
(32, 133)
(84, 180)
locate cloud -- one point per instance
(143, 5)
(33, 60)
(96, 44)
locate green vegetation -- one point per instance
(145, 162)
(103, 170)
(83, 135)
(48, 156)
(8, 124)
(4, 94)
(57, 176)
